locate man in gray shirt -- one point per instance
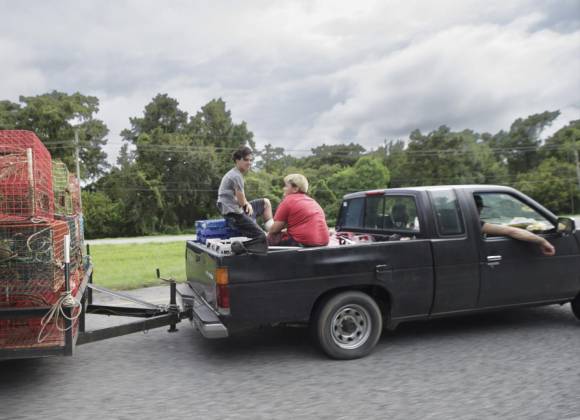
(232, 203)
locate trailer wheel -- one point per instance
(347, 325)
(576, 306)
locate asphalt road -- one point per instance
(520, 364)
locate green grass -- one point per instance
(130, 266)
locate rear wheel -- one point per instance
(347, 325)
(576, 306)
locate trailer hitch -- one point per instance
(156, 315)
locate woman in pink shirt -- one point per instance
(300, 214)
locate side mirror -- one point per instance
(565, 225)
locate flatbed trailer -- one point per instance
(153, 316)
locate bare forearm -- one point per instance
(241, 198)
(519, 234)
(524, 235)
(277, 227)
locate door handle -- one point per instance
(382, 268)
(493, 260)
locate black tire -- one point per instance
(576, 306)
(347, 325)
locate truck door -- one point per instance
(455, 256)
(514, 271)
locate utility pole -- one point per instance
(577, 164)
(385, 146)
(78, 164)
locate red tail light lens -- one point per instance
(223, 296)
(222, 290)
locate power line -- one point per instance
(184, 190)
(161, 148)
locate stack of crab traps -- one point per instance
(39, 206)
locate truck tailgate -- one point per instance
(200, 268)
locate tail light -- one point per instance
(222, 290)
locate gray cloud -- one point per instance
(303, 73)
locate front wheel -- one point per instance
(347, 325)
(576, 306)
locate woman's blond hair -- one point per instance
(297, 180)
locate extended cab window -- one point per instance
(505, 209)
(351, 214)
(447, 213)
(397, 213)
(401, 213)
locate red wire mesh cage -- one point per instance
(25, 175)
(29, 333)
(32, 263)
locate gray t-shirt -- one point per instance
(227, 203)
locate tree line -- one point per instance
(170, 164)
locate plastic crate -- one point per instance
(211, 224)
(214, 229)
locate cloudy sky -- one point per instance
(301, 73)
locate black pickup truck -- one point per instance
(405, 254)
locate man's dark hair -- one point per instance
(479, 202)
(242, 153)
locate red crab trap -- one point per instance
(25, 175)
(36, 332)
(31, 262)
(32, 275)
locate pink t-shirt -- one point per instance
(304, 218)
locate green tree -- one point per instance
(213, 126)
(274, 160)
(395, 158)
(184, 158)
(54, 117)
(102, 216)
(141, 199)
(335, 154)
(446, 157)
(367, 174)
(519, 147)
(161, 114)
(9, 115)
(553, 184)
(564, 143)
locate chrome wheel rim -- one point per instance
(350, 327)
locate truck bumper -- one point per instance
(203, 317)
